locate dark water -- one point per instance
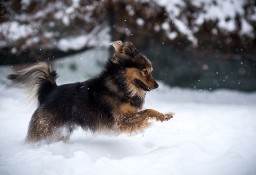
(202, 70)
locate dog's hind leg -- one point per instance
(65, 133)
(134, 122)
(44, 126)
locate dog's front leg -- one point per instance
(133, 122)
(151, 113)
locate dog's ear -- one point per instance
(124, 51)
(117, 46)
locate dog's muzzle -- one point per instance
(155, 85)
(141, 85)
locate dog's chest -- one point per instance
(136, 101)
(125, 108)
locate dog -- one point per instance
(112, 101)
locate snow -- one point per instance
(9, 30)
(187, 17)
(140, 22)
(72, 43)
(130, 10)
(97, 37)
(172, 35)
(222, 11)
(213, 133)
(183, 28)
(246, 28)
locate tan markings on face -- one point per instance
(134, 73)
(147, 71)
(148, 65)
(131, 74)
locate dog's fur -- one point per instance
(112, 101)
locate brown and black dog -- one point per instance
(112, 101)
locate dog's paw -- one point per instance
(168, 116)
(165, 117)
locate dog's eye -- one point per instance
(145, 73)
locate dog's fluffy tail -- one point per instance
(40, 79)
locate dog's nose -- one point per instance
(155, 85)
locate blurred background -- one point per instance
(198, 44)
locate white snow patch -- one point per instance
(140, 22)
(172, 35)
(246, 27)
(9, 30)
(185, 30)
(130, 10)
(74, 43)
(166, 26)
(156, 27)
(97, 37)
(65, 20)
(224, 12)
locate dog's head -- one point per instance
(137, 68)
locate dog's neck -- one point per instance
(117, 87)
(135, 101)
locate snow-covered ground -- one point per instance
(213, 133)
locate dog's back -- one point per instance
(80, 104)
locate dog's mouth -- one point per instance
(141, 85)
